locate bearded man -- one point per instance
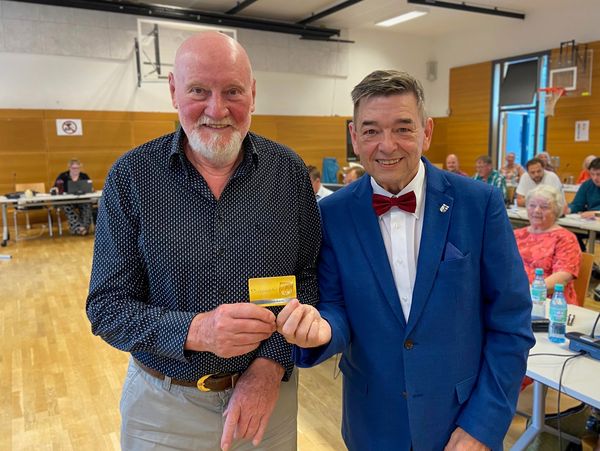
(185, 221)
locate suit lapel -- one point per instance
(436, 221)
(369, 236)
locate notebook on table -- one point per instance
(79, 187)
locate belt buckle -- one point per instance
(201, 381)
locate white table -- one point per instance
(581, 378)
(47, 200)
(571, 221)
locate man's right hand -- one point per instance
(230, 329)
(302, 325)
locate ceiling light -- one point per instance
(401, 18)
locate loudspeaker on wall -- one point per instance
(431, 70)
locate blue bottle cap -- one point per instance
(559, 287)
(539, 272)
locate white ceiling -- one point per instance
(363, 15)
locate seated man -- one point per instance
(486, 174)
(536, 175)
(353, 174)
(512, 171)
(78, 215)
(587, 199)
(317, 186)
(453, 166)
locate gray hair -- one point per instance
(550, 194)
(384, 83)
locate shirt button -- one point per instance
(408, 344)
(221, 251)
(222, 291)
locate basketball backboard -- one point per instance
(157, 42)
(571, 69)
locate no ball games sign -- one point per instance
(69, 127)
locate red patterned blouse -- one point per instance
(553, 251)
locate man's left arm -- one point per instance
(506, 315)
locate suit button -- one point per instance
(408, 344)
(405, 395)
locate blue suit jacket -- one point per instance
(460, 359)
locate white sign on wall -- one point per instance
(582, 131)
(69, 127)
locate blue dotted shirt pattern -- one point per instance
(167, 249)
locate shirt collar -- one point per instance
(416, 185)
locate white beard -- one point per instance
(216, 150)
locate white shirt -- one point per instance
(401, 232)
(323, 192)
(526, 183)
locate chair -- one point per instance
(39, 187)
(582, 282)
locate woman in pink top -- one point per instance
(544, 244)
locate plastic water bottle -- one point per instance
(538, 294)
(558, 315)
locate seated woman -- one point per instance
(585, 173)
(544, 244)
(78, 215)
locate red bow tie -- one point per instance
(406, 202)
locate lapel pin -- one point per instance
(444, 208)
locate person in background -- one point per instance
(353, 174)
(315, 179)
(512, 171)
(584, 175)
(78, 215)
(587, 198)
(172, 261)
(546, 160)
(453, 166)
(536, 175)
(431, 308)
(544, 244)
(485, 173)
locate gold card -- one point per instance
(272, 291)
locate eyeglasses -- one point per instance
(543, 207)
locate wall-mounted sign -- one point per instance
(69, 127)
(582, 131)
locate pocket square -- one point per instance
(451, 252)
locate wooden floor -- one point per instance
(60, 385)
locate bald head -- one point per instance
(212, 47)
(212, 87)
(452, 163)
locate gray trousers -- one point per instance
(157, 415)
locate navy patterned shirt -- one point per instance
(167, 249)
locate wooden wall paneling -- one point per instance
(265, 125)
(147, 130)
(21, 134)
(438, 149)
(314, 137)
(21, 167)
(470, 103)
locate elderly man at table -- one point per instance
(536, 175)
(487, 174)
(587, 199)
(430, 306)
(452, 165)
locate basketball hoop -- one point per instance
(550, 96)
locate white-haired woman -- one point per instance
(544, 244)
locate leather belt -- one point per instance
(210, 382)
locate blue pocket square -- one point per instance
(451, 252)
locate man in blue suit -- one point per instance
(421, 287)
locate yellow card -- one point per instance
(272, 291)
